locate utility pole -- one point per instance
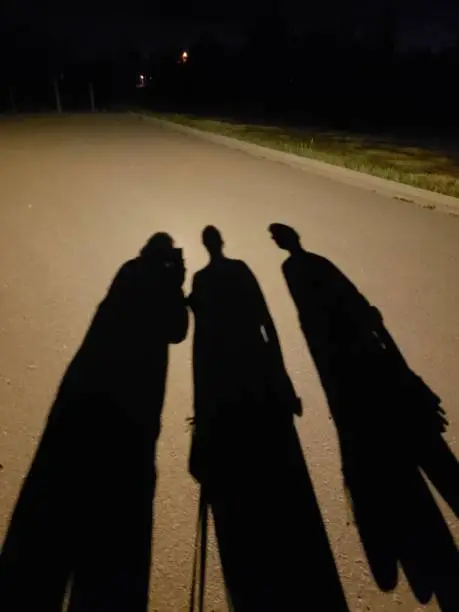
(58, 96)
(91, 97)
(12, 98)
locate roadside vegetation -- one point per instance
(428, 164)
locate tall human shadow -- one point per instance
(390, 426)
(246, 453)
(83, 520)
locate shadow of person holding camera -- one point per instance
(389, 423)
(83, 520)
(245, 450)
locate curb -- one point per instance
(398, 191)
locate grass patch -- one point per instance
(421, 164)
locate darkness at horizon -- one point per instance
(431, 23)
(370, 63)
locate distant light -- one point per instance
(142, 77)
(184, 57)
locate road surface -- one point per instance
(80, 195)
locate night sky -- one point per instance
(98, 26)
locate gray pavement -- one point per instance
(80, 195)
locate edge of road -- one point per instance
(397, 191)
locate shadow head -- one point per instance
(160, 245)
(285, 237)
(213, 241)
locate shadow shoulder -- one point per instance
(238, 264)
(127, 272)
(122, 283)
(311, 260)
(127, 268)
(225, 264)
(199, 275)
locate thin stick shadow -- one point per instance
(83, 520)
(246, 453)
(390, 426)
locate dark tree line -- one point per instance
(346, 80)
(329, 70)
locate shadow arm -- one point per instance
(177, 316)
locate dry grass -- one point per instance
(421, 164)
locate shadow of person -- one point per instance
(390, 427)
(246, 453)
(84, 514)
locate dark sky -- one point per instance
(101, 25)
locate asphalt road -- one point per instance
(80, 195)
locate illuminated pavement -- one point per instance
(80, 195)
